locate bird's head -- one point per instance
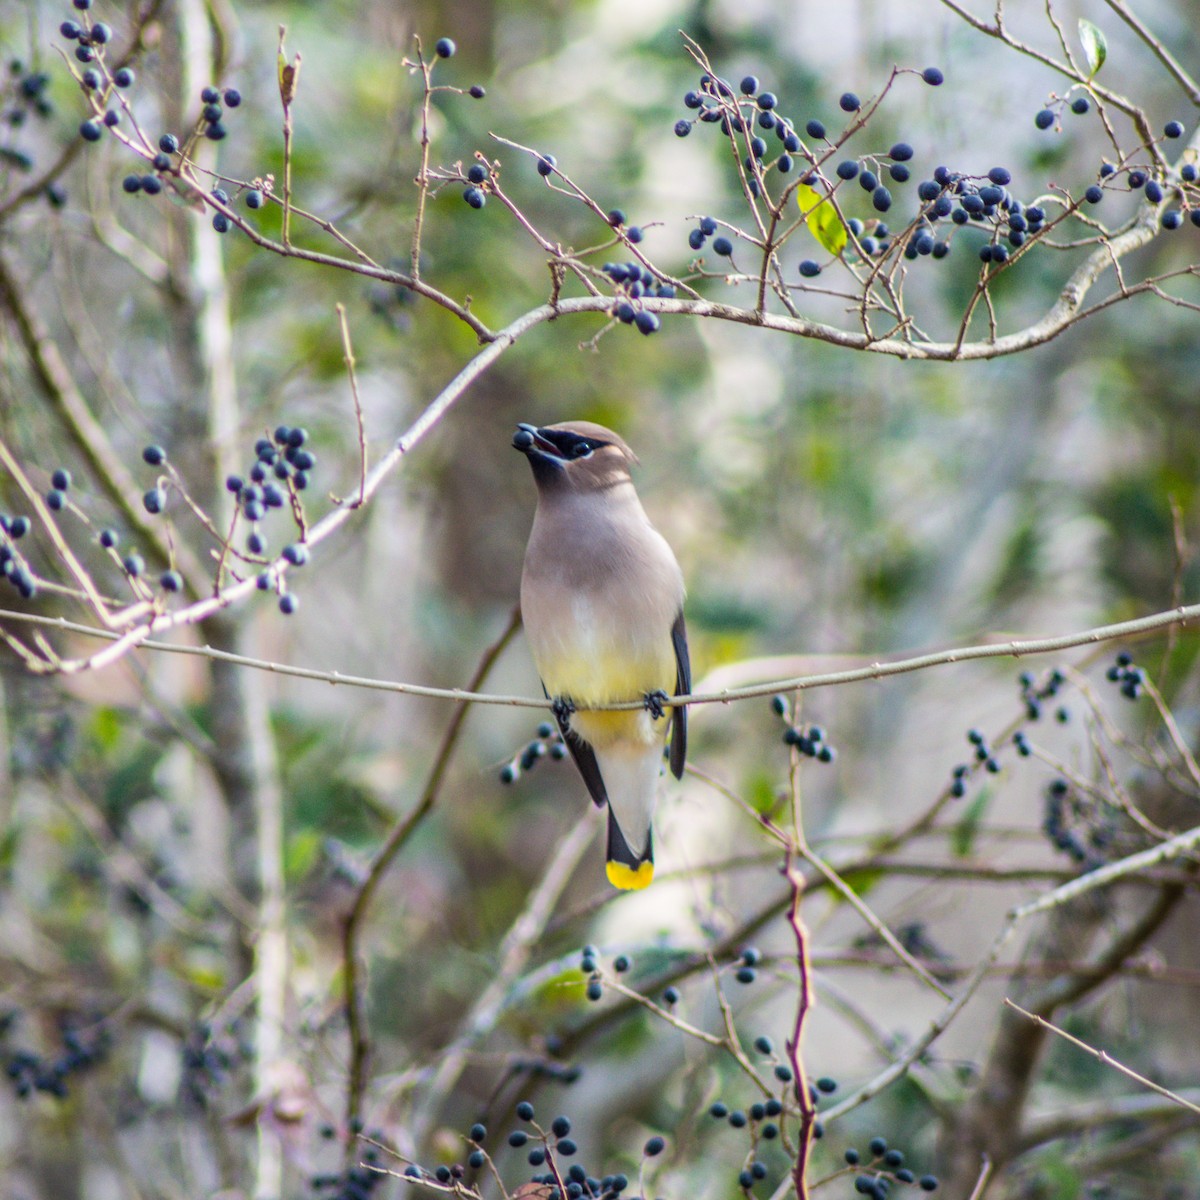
(574, 455)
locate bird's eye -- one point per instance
(581, 449)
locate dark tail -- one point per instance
(627, 869)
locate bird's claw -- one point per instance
(562, 708)
(654, 704)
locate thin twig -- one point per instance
(348, 358)
(1106, 1058)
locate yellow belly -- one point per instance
(594, 675)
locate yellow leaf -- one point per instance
(823, 221)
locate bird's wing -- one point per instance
(585, 760)
(683, 685)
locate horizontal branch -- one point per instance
(1019, 648)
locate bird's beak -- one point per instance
(529, 438)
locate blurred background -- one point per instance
(829, 509)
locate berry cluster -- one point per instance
(22, 94)
(83, 1045)
(634, 281)
(874, 1178)
(543, 1147)
(1130, 679)
(280, 472)
(1075, 825)
(356, 1182)
(1034, 694)
(13, 565)
(808, 739)
(209, 1056)
(547, 743)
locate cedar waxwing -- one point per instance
(602, 602)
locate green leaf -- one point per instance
(823, 221)
(962, 836)
(1095, 45)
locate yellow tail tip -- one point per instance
(630, 879)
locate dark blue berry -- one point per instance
(546, 164)
(722, 246)
(815, 129)
(1094, 194)
(445, 48)
(767, 101)
(1044, 119)
(901, 152)
(1173, 129)
(171, 581)
(1137, 179)
(682, 128)
(1001, 176)
(1080, 105)
(155, 500)
(123, 77)
(90, 131)
(474, 197)
(1154, 191)
(648, 322)
(933, 76)
(847, 169)
(810, 269)
(288, 603)
(868, 181)
(220, 223)
(849, 102)
(108, 538)
(70, 30)
(881, 199)
(1172, 219)
(749, 85)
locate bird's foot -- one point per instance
(654, 704)
(562, 708)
